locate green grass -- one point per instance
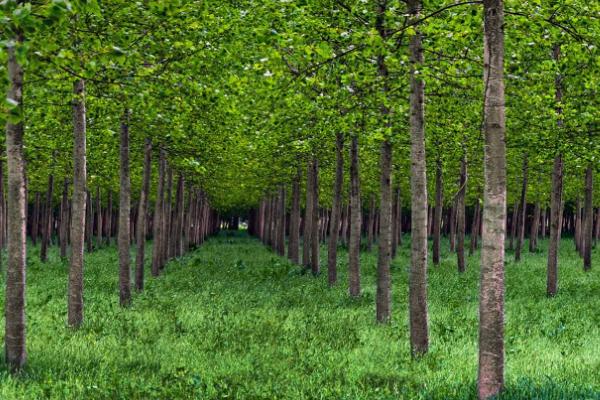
(232, 320)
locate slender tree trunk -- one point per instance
(555, 226)
(64, 219)
(35, 220)
(513, 225)
(544, 218)
(491, 300)
(355, 221)
(535, 227)
(78, 206)
(437, 219)
(281, 223)
(89, 222)
(475, 228)
(452, 226)
(417, 281)
(308, 220)
(315, 245)
(597, 229)
(158, 224)
(336, 211)
(47, 222)
(294, 240)
(460, 215)
(397, 226)
(124, 214)
(578, 229)
(143, 209)
(167, 221)
(371, 223)
(15, 353)
(522, 210)
(587, 231)
(109, 218)
(98, 218)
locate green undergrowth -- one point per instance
(233, 320)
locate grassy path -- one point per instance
(232, 320)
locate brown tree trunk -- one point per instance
(578, 213)
(47, 222)
(355, 222)
(371, 223)
(587, 231)
(35, 224)
(158, 224)
(522, 211)
(491, 299)
(78, 207)
(124, 214)
(294, 240)
(109, 218)
(15, 353)
(336, 211)
(397, 226)
(143, 209)
(475, 228)
(535, 227)
(308, 220)
(167, 220)
(513, 226)
(417, 281)
(437, 218)
(99, 241)
(452, 226)
(544, 218)
(64, 219)
(460, 215)
(281, 222)
(597, 229)
(89, 222)
(315, 245)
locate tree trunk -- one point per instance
(315, 245)
(143, 209)
(513, 225)
(336, 211)
(355, 222)
(35, 224)
(578, 224)
(308, 220)
(124, 214)
(167, 221)
(281, 223)
(15, 353)
(460, 215)
(294, 240)
(98, 218)
(371, 223)
(89, 222)
(522, 211)
(437, 218)
(64, 219)
(78, 207)
(452, 226)
(491, 299)
(47, 221)
(544, 218)
(587, 231)
(475, 228)
(158, 224)
(535, 227)
(397, 222)
(417, 281)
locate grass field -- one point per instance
(233, 320)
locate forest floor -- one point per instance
(233, 320)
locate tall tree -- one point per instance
(124, 214)
(491, 289)
(143, 209)
(336, 210)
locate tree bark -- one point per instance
(78, 206)
(535, 227)
(513, 225)
(371, 223)
(460, 215)
(294, 240)
(35, 224)
(89, 222)
(64, 219)
(437, 219)
(308, 220)
(281, 223)
(522, 210)
(143, 209)
(124, 214)
(336, 211)
(158, 224)
(99, 240)
(475, 228)
(491, 300)
(417, 281)
(355, 222)
(315, 244)
(47, 222)
(587, 231)
(14, 338)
